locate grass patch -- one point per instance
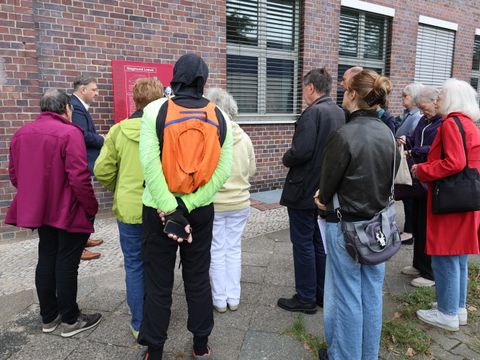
(300, 333)
(402, 334)
(473, 297)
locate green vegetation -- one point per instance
(299, 332)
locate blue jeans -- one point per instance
(308, 254)
(451, 279)
(131, 243)
(352, 311)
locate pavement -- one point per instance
(254, 332)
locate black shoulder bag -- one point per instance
(459, 192)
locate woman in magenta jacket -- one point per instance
(451, 237)
(48, 167)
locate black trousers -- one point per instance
(56, 275)
(159, 255)
(421, 261)
(408, 209)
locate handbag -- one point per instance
(416, 190)
(374, 241)
(403, 176)
(459, 192)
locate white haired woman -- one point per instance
(232, 207)
(451, 237)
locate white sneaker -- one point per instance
(422, 282)
(233, 307)
(462, 314)
(220, 309)
(410, 270)
(437, 318)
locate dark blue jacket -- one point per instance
(422, 138)
(93, 141)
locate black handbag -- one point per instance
(459, 192)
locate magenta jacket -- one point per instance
(48, 166)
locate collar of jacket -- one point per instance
(321, 99)
(363, 113)
(47, 115)
(136, 114)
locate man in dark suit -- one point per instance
(84, 93)
(320, 118)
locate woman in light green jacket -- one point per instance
(118, 169)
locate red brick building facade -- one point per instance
(47, 43)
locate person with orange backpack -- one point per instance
(186, 155)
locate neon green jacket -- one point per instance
(118, 169)
(157, 194)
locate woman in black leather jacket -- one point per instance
(358, 166)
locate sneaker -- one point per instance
(84, 322)
(134, 332)
(206, 356)
(220, 309)
(142, 354)
(462, 314)
(406, 237)
(437, 318)
(296, 305)
(233, 307)
(422, 282)
(52, 325)
(322, 354)
(410, 270)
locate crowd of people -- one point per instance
(179, 169)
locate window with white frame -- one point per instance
(262, 58)
(434, 57)
(475, 79)
(363, 41)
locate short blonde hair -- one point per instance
(459, 96)
(145, 91)
(224, 101)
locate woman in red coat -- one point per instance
(451, 237)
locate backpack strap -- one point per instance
(162, 115)
(160, 124)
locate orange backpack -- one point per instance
(190, 144)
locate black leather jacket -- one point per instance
(358, 166)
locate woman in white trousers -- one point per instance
(232, 207)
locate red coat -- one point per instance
(456, 233)
(48, 166)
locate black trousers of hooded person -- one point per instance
(159, 255)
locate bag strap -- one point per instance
(462, 133)
(336, 202)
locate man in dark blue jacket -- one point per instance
(303, 159)
(84, 93)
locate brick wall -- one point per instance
(47, 43)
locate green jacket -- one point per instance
(157, 194)
(118, 169)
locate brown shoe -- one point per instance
(88, 255)
(92, 242)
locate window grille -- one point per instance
(434, 57)
(263, 67)
(364, 40)
(475, 79)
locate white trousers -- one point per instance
(226, 254)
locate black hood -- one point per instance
(189, 76)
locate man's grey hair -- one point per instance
(426, 93)
(459, 96)
(320, 79)
(412, 89)
(224, 101)
(55, 100)
(83, 80)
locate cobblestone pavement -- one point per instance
(254, 332)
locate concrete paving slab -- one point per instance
(257, 259)
(260, 345)
(226, 342)
(103, 299)
(114, 330)
(268, 197)
(273, 319)
(47, 347)
(253, 274)
(97, 351)
(239, 319)
(250, 293)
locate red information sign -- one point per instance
(124, 75)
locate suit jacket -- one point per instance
(304, 156)
(94, 142)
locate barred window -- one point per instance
(475, 79)
(363, 41)
(434, 57)
(262, 59)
